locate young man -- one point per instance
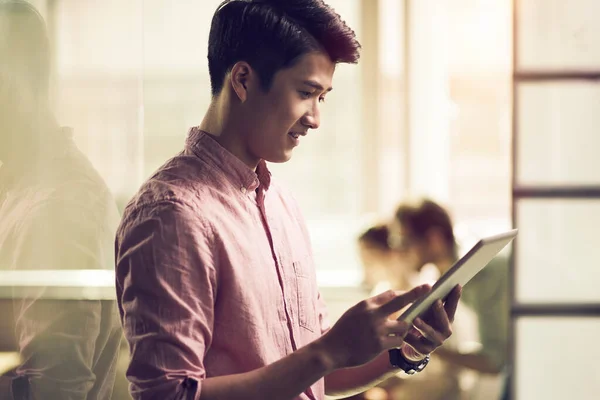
(215, 276)
(424, 234)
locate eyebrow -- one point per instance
(317, 85)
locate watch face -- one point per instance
(410, 368)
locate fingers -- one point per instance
(438, 318)
(392, 342)
(424, 339)
(393, 334)
(429, 333)
(441, 315)
(413, 337)
(418, 342)
(452, 302)
(396, 328)
(398, 302)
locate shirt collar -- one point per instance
(237, 172)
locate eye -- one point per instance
(321, 99)
(304, 95)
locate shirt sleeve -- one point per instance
(488, 297)
(166, 289)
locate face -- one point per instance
(278, 120)
(414, 252)
(377, 263)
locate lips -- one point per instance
(296, 135)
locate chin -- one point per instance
(279, 158)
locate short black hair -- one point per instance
(273, 34)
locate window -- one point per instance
(556, 195)
(459, 68)
(419, 115)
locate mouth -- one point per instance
(296, 135)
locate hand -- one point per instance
(364, 331)
(432, 330)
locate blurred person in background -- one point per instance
(382, 272)
(422, 232)
(378, 260)
(56, 213)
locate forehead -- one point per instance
(315, 66)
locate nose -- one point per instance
(312, 118)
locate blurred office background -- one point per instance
(490, 107)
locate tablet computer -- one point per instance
(461, 272)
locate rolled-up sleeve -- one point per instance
(166, 288)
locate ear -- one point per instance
(240, 76)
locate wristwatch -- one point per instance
(398, 360)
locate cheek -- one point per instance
(289, 109)
(423, 254)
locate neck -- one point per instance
(222, 125)
(213, 119)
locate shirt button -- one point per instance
(244, 190)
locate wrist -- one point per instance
(400, 360)
(324, 356)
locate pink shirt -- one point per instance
(215, 274)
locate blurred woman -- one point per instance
(422, 233)
(385, 268)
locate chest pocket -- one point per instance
(306, 294)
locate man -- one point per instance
(56, 213)
(423, 233)
(215, 275)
